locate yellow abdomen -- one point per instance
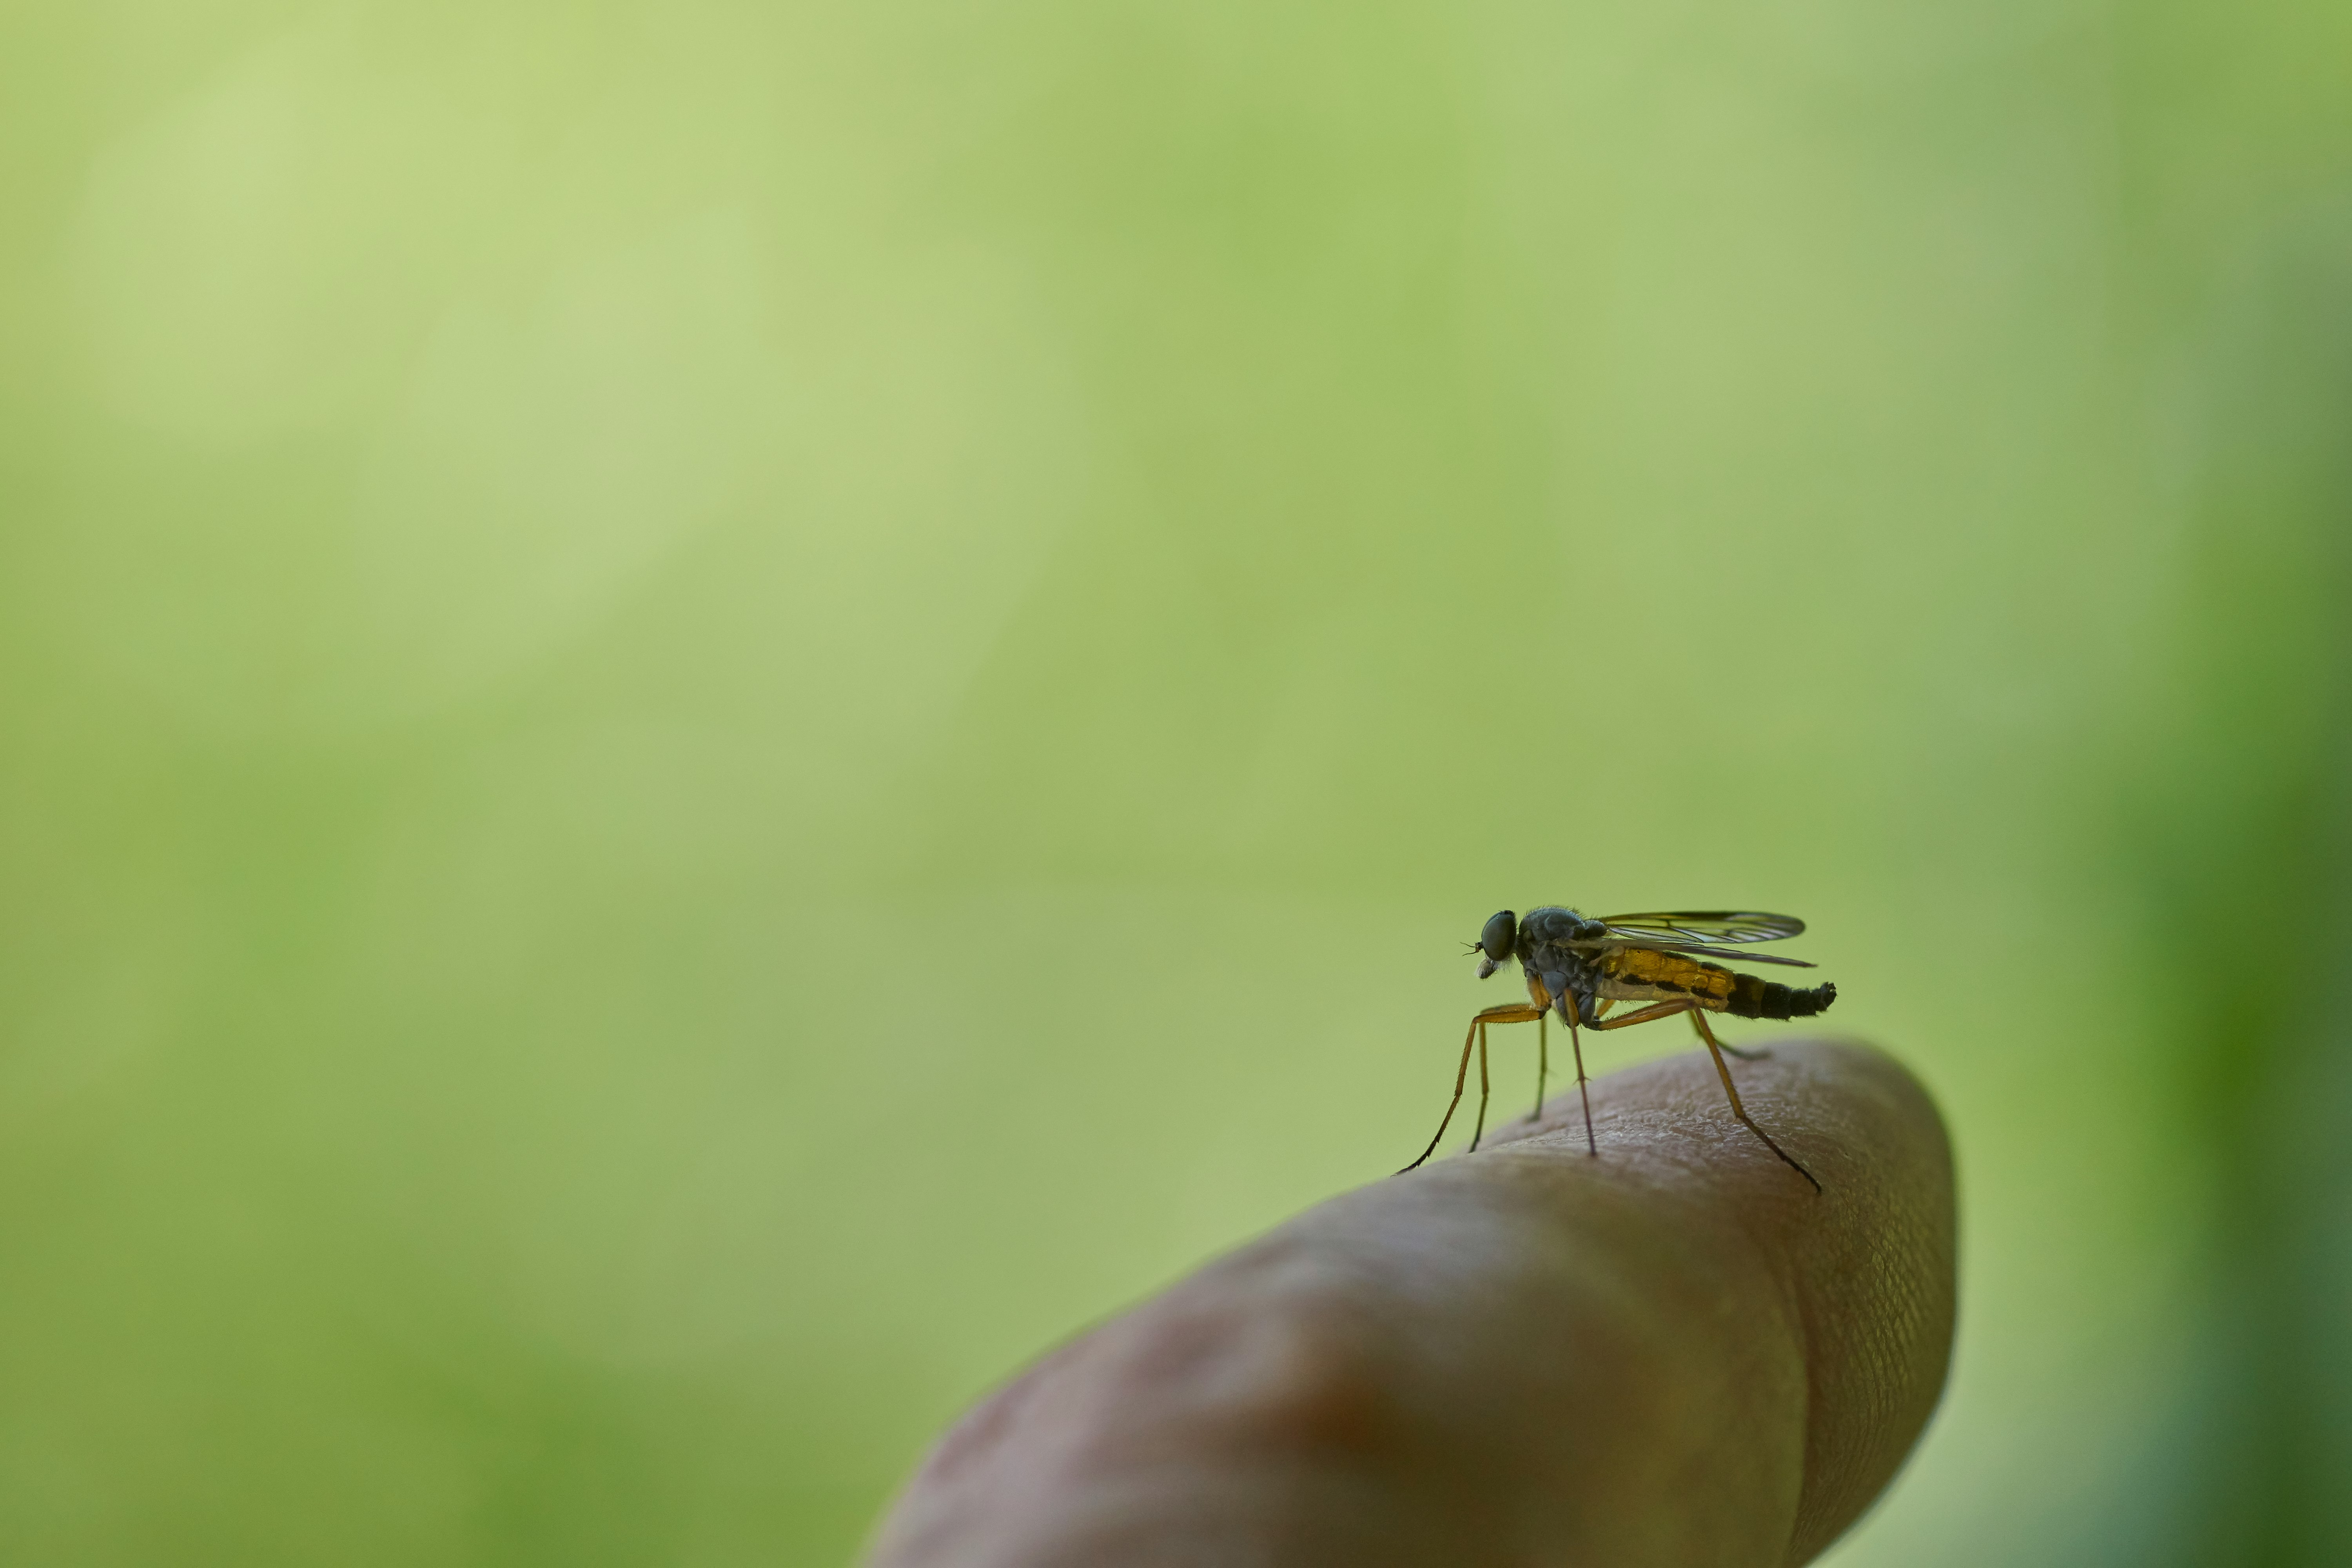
(1638, 975)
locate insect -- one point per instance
(1578, 968)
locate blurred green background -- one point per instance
(716, 714)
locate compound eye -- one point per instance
(1500, 935)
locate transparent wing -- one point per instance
(1703, 925)
(1735, 955)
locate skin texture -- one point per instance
(1674, 1355)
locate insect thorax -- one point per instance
(1555, 974)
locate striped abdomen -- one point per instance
(1644, 974)
(1754, 998)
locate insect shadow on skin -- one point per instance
(1580, 968)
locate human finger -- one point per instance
(1675, 1353)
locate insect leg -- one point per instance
(1754, 1055)
(1480, 1130)
(1543, 1063)
(1510, 1013)
(1460, 1073)
(1650, 1013)
(1724, 1072)
(1715, 1048)
(1543, 1068)
(1583, 1093)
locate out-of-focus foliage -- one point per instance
(712, 714)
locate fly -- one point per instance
(1578, 968)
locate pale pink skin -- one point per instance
(1675, 1354)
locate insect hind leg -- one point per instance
(1722, 1071)
(1757, 1055)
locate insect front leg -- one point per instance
(1480, 1130)
(1509, 1013)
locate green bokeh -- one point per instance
(716, 714)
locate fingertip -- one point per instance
(1523, 1354)
(1868, 1262)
